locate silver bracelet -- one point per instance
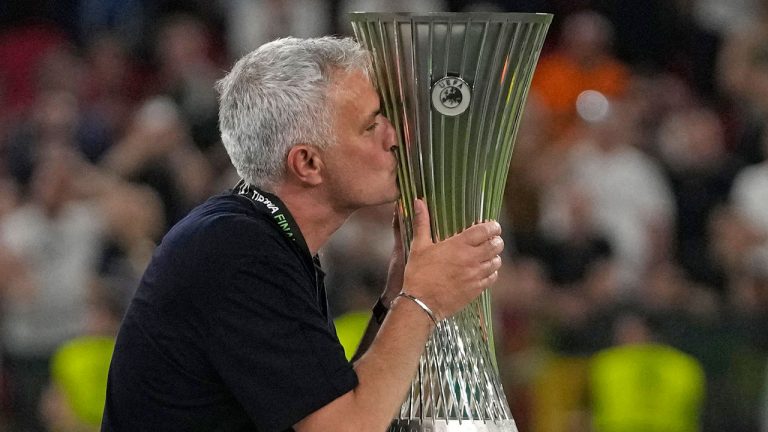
(421, 305)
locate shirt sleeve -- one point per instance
(272, 344)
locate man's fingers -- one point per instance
(488, 280)
(422, 236)
(485, 251)
(476, 235)
(491, 248)
(489, 266)
(496, 263)
(491, 279)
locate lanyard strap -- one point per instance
(272, 205)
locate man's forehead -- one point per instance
(354, 86)
(352, 77)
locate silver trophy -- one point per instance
(454, 86)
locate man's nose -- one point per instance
(390, 137)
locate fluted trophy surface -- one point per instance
(454, 86)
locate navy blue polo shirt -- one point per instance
(228, 330)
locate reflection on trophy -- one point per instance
(454, 86)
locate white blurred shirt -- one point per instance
(629, 196)
(61, 255)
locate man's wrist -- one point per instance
(423, 306)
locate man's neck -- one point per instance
(316, 219)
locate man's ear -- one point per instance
(304, 164)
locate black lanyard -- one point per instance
(271, 204)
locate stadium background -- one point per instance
(635, 291)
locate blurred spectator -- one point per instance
(576, 320)
(574, 247)
(732, 239)
(135, 222)
(654, 97)
(686, 315)
(113, 88)
(73, 401)
(187, 73)
(743, 77)
(642, 384)
(692, 146)
(54, 239)
(605, 166)
(582, 61)
(55, 120)
(743, 52)
(672, 300)
(580, 316)
(157, 151)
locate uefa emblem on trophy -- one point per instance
(451, 96)
(454, 86)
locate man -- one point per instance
(229, 329)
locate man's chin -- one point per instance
(389, 199)
(395, 196)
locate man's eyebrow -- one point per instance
(370, 118)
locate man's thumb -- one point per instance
(421, 232)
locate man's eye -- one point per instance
(371, 127)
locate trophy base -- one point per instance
(452, 426)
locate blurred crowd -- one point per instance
(634, 295)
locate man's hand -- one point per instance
(446, 276)
(449, 274)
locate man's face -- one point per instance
(361, 169)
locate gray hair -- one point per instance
(276, 97)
